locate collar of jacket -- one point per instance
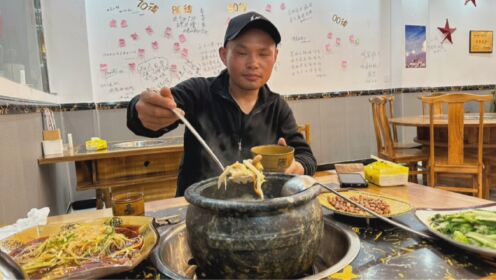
(220, 86)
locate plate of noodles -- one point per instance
(85, 249)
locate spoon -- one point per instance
(198, 137)
(300, 183)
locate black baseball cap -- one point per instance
(250, 20)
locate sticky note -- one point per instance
(268, 8)
(184, 53)
(123, 23)
(182, 38)
(134, 36)
(141, 52)
(338, 41)
(168, 32)
(155, 45)
(103, 67)
(132, 66)
(173, 68)
(329, 35)
(177, 46)
(122, 43)
(328, 47)
(113, 23)
(283, 6)
(149, 30)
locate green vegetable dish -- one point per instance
(476, 227)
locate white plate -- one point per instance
(424, 216)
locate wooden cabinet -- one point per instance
(153, 169)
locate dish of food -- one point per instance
(386, 206)
(248, 171)
(472, 229)
(82, 249)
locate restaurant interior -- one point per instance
(395, 98)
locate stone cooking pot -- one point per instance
(233, 234)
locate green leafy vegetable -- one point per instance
(476, 227)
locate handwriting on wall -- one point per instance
(301, 13)
(210, 61)
(305, 62)
(370, 63)
(191, 23)
(151, 43)
(155, 71)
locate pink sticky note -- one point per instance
(123, 23)
(328, 47)
(149, 30)
(168, 32)
(329, 35)
(338, 41)
(184, 53)
(351, 38)
(182, 38)
(268, 8)
(132, 66)
(103, 67)
(122, 43)
(155, 45)
(141, 52)
(344, 64)
(113, 23)
(177, 47)
(173, 68)
(134, 36)
(283, 6)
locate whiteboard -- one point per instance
(327, 45)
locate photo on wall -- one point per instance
(415, 46)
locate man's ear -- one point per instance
(223, 55)
(276, 53)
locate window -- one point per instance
(22, 48)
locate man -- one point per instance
(232, 112)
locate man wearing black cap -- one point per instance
(232, 112)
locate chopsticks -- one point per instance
(48, 119)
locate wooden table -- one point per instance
(441, 124)
(471, 119)
(151, 168)
(417, 195)
(441, 132)
(386, 253)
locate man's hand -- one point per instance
(154, 108)
(295, 167)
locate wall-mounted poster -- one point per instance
(415, 46)
(481, 42)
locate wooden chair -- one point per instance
(490, 172)
(456, 161)
(390, 102)
(438, 108)
(385, 142)
(305, 129)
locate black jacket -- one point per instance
(227, 130)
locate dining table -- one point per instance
(471, 121)
(386, 252)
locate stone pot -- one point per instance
(233, 234)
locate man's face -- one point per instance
(249, 59)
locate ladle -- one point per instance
(198, 137)
(300, 183)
